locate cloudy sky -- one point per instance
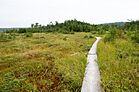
(21, 13)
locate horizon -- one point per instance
(23, 13)
(63, 22)
(67, 20)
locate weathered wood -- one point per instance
(91, 82)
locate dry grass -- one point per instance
(36, 63)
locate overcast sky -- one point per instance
(21, 13)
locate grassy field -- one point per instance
(44, 62)
(119, 65)
(55, 62)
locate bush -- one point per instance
(88, 36)
(108, 38)
(67, 32)
(28, 34)
(135, 37)
(93, 32)
(6, 37)
(111, 35)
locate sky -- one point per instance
(22, 13)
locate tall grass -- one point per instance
(119, 66)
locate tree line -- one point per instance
(69, 26)
(112, 30)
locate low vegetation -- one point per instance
(119, 65)
(52, 58)
(44, 62)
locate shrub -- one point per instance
(108, 38)
(67, 32)
(65, 38)
(135, 37)
(6, 37)
(93, 32)
(28, 34)
(88, 36)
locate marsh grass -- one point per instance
(55, 62)
(50, 62)
(119, 66)
(4, 37)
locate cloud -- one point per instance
(24, 12)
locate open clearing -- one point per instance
(55, 62)
(50, 61)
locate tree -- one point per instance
(36, 25)
(32, 25)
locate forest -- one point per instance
(70, 26)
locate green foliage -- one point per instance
(89, 36)
(118, 66)
(135, 36)
(111, 35)
(55, 62)
(28, 34)
(72, 69)
(68, 27)
(51, 62)
(108, 38)
(114, 33)
(6, 37)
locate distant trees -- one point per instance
(130, 28)
(111, 30)
(32, 25)
(36, 25)
(68, 26)
(133, 29)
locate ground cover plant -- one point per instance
(119, 66)
(52, 58)
(44, 62)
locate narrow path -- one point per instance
(91, 82)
